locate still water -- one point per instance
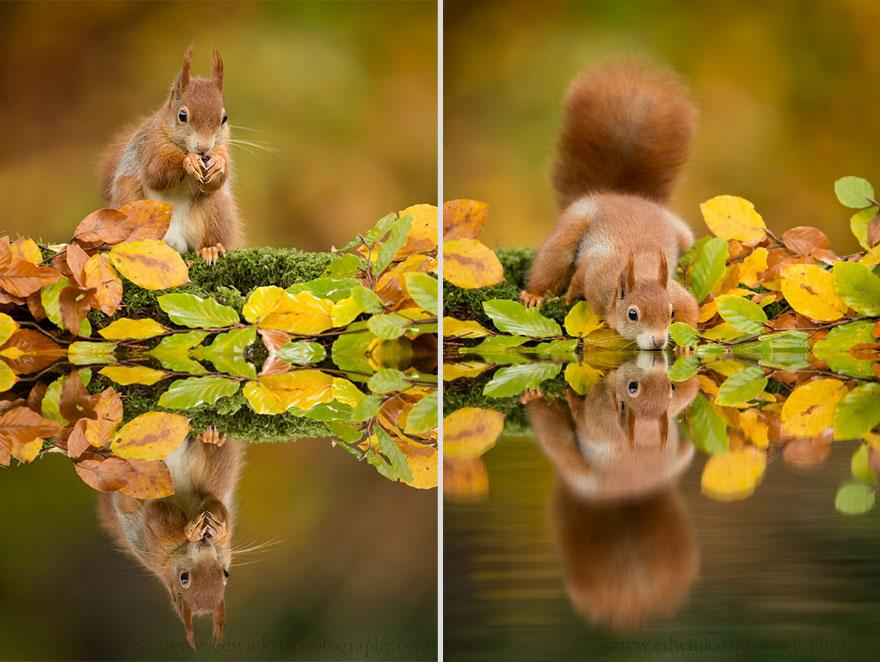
(579, 553)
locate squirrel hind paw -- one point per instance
(530, 300)
(211, 436)
(530, 395)
(211, 254)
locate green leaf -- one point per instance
(388, 326)
(366, 299)
(349, 351)
(854, 498)
(88, 353)
(366, 408)
(743, 315)
(334, 289)
(708, 431)
(835, 349)
(558, 350)
(172, 352)
(387, 380)
(785, 350)
(423, 290)
(346, 431)
(344, 266)
(513, 380)
(860, 466)
(396, 457)
(498, 349)
(303, 352)
(423, 416)
(857, 412)
(395, 241)
(378, 231)
(50, 298)
(859, 224)
(857, 287)
(854, 192)
(708, 267)
(195, 312)
(684, 368)
(50, 407)
(196, 391)
(226, 353)
(513, 317)
(684, 334)
(741, 387)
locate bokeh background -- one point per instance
(786, 90)
(343, 93)
(354, 560)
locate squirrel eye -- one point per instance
(225, 118)
(184, 578)
(225, 576)
(182, 115)
(633, 388)
(633, 314)
(671, 312)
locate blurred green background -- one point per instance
(786, 88)
(354, 560)
(344, 91)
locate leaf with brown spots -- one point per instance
(150, 436)
(151, 219)
(149, 479)
(104, 226)
(464, 219)
(150, 264)
(469, 264)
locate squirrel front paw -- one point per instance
(530, 395)
(192, 166)
(214, 172)
(211, 254)
(530, 300)
(212, 436)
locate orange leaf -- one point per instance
(804, 240)
(148, 479)
(151, 219)
(464, 219)
(99, 275)
(103, 226)
(19, 277)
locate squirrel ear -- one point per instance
(219, 621)
(218, 71)
(182, 81)
(631, 427)
(664, 429)
(631, 272)
(185, 613)
(663, 275)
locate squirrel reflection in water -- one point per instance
(185, 539)
(626, 537)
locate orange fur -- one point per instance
(624, 140)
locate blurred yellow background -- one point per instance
(786, 89)
(344, 93)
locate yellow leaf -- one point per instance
(422, 461)
(8, 326)
(464, 219)
(809, 289)
(581, 321)
(345, 392)
(469, 264)
(27, 451)
(422, 237)
(345, 311)
(7, 377)
(275, 394)
(707, 311)
(127, 375)
(753, 266)
(734, 475)
(733, 217)
(809, 409)
(150, 436)
(129, 329)
(754, 427)
(470, 432)
(459, 369)
(581, 377)
(98, 273)
(707, 386)
(261, 302)
(872, 257)
(723, 331)
(26, 249)
(150, 264)
(455, 328)
(301, 313)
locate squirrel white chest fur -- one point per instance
(180, 236)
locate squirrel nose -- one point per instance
(660, 341)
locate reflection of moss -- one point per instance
(229, 281)
(231, 416)
(467, 304)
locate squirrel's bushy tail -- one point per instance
(627, 128)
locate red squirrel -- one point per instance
(180, 155)
(185, 539)
(624, 140)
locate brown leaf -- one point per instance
(874, 231)
(151, 219)
(867, 351)
(105, 474)
(464, 219)
(35, 397)
(75, 303)
(76, 402)
(99, 275)
(22, 424)
(876, 330)
(35, 306)
(805, 452)
(76, 440)
(149, 479)
(274, 365)
(804, 240)
(29, 351)
(76, 258)
(273, 339)
(19, 277)
(104, 226)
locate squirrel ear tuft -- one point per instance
(219, 622)
(663, 422)
(185, 613)
(631, 272)
(218, 71)
(663, 275)
(182, 81)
